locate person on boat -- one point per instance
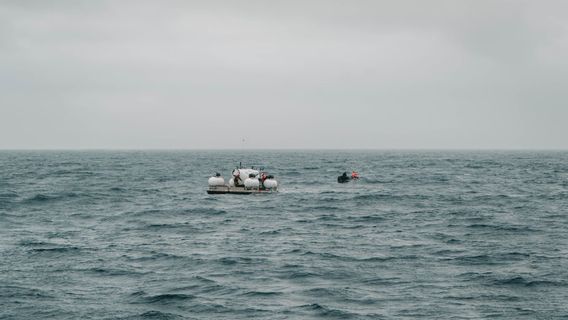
(238, 182)
(343, 178)
(354, 175)
(237, 178)
(262, 178)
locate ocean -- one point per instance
(422, 235)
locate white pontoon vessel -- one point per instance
(243, 181)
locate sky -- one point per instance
(290, 74)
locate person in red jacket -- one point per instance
(354, 175)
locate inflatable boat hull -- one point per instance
(236, 190)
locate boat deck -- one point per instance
(236, 190)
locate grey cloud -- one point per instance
(311, 74)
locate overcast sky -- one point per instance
(284, 74)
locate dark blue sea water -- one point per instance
(423, 235)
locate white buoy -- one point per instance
(270, 184)
(216, 181)
(251, 183)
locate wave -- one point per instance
(67, 172)
(481, 259)
(165, 298)
(32, 242)
(43, 198)
(298, 275)
(513, 281)
(330, 192)
(176, 212)
(275, 231)
(6, 200)
(114, 272)
(342, 294)
(332, 256)
(206, 211)
(9, 291)
(153, 314)
(385, 281)
(36, 246)
(262, 293)
(325, 311)
(157, 227)
(168, 298)
(328, 217)
(39, 198)
(366, 180)
(387, 197)
(330, 200)
(156, 256)
(490, 297)
(70, 249)
(8, 195)
(524, 282)
(366, 218)
(240, 260)
(511, 228)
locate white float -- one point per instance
(216, 181)
(270, 184)
(252, 183)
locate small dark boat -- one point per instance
(343, 178)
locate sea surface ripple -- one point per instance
(423, 235)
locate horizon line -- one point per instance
(284, 149)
